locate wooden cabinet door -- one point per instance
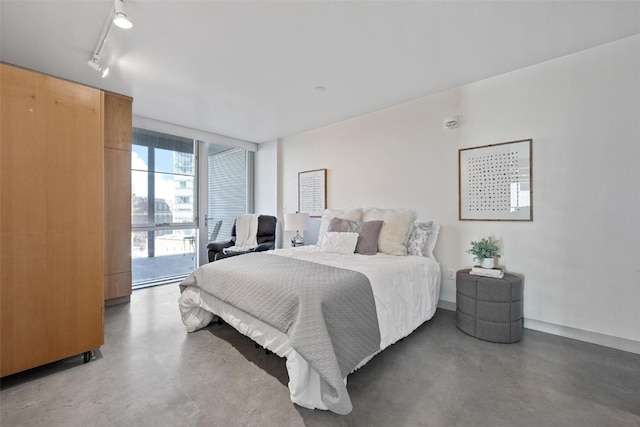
(117, 158)
(118, 224)
(118, 121)
(51, 219)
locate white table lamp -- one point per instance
(296, 222)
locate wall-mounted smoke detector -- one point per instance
(451, 122)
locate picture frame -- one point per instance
(312, 192)
(495, 182)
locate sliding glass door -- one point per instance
(163, 217)
(227, 193)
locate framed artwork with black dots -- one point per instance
(495, 182)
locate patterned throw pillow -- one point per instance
(419, 240)
(368, 233)
(339, 243)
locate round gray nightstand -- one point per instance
(489, 308)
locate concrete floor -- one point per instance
(150, 372)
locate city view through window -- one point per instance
(163, 208)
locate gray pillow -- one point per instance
(368, 233)
(353, 214)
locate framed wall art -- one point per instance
(494, 182)
(312, 192)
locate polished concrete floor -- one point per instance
(150, 372)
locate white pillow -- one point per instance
(352, 214)
(397, 226)
(339, 243)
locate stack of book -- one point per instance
(488, 272)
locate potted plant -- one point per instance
(485, 251)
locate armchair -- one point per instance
(266, 238)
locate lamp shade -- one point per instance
(296, 221)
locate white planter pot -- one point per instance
(487, 263)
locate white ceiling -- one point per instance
(248, 69)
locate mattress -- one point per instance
(406, 291)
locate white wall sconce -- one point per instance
(451, 122)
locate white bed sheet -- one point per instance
(406, 291)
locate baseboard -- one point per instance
(447, 305)
(568, 332)
(115, 301)
(582, 335)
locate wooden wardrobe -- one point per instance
(52, 218)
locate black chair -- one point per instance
(266, 238)
(215, 231)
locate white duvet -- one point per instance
(406, 291)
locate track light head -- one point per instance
(120, 18)
(94, 65)
(104, 71)
(117, 16)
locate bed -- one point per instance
(403, 291)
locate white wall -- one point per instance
(580, 255)
(267, 183)
(266, 178)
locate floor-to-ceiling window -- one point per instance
(163, 217)
(167, 231)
